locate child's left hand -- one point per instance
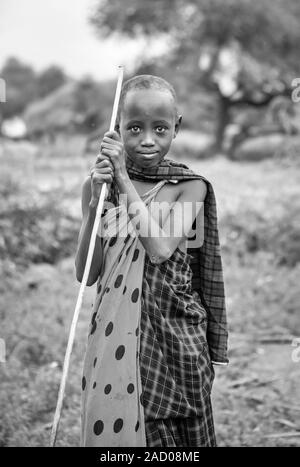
(113, 148)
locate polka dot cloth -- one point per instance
(112, 413)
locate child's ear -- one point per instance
(177, 125)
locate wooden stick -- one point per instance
(275, 340)
(85, 277)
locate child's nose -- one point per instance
(148, 139)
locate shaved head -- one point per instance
(144, 82)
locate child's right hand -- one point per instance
(102, 171)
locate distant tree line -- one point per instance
(24, 85)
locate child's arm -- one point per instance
(88, 213)
(102, 171)
(178, 222)
(180, 218)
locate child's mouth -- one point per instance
(148, 154)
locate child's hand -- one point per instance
(112, 147)
(103, 171)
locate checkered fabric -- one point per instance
(206, 262)
(175, 365)
(182, 432)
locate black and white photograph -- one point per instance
(149, 226)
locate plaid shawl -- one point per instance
(206, 263)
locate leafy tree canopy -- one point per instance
(267, 29)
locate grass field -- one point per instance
(256, 398)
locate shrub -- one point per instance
(34, 226)
(251, 231)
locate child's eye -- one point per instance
(135, 129)
(160, 129)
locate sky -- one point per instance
(45, 32)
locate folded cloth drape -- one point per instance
(112, 412)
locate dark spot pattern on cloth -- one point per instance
(118, 425)
(109, 328)
(135, 254)
(118, 281)
(83, 383)
(98, 427)
(127, 238)
(135, 295)
(112, 241)
(120, 352)
(94, 327)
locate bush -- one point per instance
(258, 148)
(34, 226)
(252, 231)
(191, 145)
(278, 146)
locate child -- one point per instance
(159, 319)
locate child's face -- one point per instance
(148, 124)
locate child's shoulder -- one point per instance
(86, 188)
(194, 188)
(184, 190)
(86, 182)
(86, 193)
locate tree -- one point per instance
(49, 80)
(24, 86)
(264, 33)
(21, 88)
